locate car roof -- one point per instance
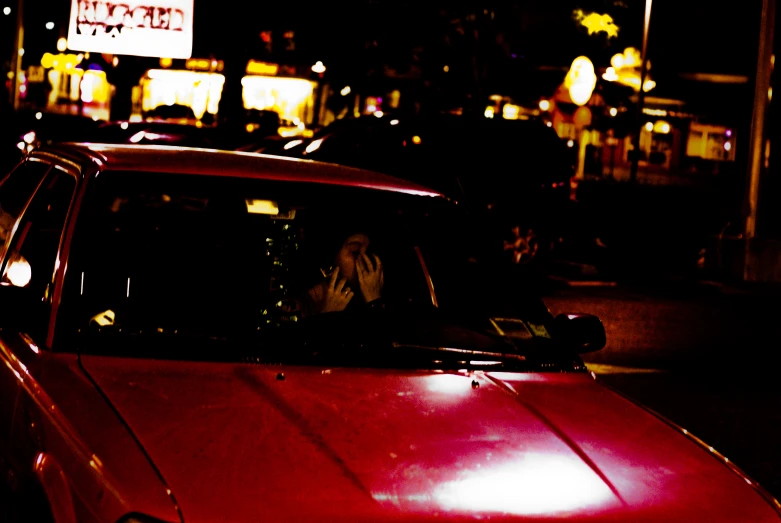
(211, 162)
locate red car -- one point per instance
(201, 336)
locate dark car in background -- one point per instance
(514, 173)
(155, 133)
(26, 130)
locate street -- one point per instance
(704, 356)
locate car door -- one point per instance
(16, 190)
(30, 264)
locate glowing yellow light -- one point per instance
(581, 80)
(291, 98)
(510, 112)
(629, 58)
(262, 207)
(446, 68)
(596, 23)
(318, 68)
(115, 61)
(250, 127)
(610, 75)
(416, 140)
(19, 272)
(489, 112)
(613, 111)
(662, 127)
(654, 112)
(262, 68)
(346, 90)
(62, 44)
(544, 105)
(166, 62)
(649, 127)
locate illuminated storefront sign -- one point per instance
(262, 68)
(291, 98)
(154, 28)
(200, 91)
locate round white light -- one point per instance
(49, 25)
(6, 10)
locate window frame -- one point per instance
(74, 170)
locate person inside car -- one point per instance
(354, 272)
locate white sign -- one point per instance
(156, 28)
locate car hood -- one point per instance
(241, 442)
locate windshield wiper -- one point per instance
(465, 352)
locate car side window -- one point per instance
(33, 251)
(16, 189)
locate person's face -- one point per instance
(351, 250)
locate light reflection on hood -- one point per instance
(535, 484)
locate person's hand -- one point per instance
(337, 294)
(370, 277)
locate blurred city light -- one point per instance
(346, 90)
(50, 25)
(662, 127)
(544, 105)
(315, 145)
(613, 111)
(318, 68)
(416, 140)
(727, 146)
(62, 44)
(394, 122)
(510, 112)
(570, 143)
(446, 68)
(378, 114)
(625, 69)
(6, 10)
(38, 115)
(489, 112)
(596, 23)
(581, 80)
(124, 125)
(649, 127)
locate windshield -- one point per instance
(201, 267)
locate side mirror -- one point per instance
(582, 332)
